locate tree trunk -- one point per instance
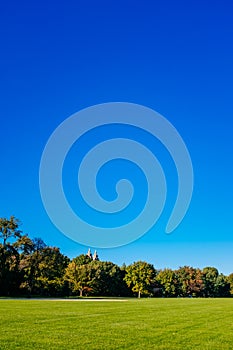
(80, 292)
(139, 294)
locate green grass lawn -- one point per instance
(132, 324)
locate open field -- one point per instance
(133, 324)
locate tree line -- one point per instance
(28, 267)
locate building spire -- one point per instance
(95, 256)
(89, 253)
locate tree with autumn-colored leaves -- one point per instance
(190, 281)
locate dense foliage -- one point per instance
(29, 267)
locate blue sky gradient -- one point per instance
(175, 57)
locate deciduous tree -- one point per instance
(167, 280)
(9, 228)
(209, 277)
(190, 281)
(230, 281)
(140, 277)
(79, 277)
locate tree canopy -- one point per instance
(140, 277)
(28, 267)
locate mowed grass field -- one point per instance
(131, 324)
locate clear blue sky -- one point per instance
(173, 56)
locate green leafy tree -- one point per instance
(125, 290)
(215, 284)
(107, 279)
(29, 263)
(9, 270)
(140, 277)
(230, 281)
(100, 278)
(9, 256)
(9, 228)
(209, 277)
(82, 259)
(51, 270)
(43, 269)
(79, 277)
(222, 286)
(168, 283)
